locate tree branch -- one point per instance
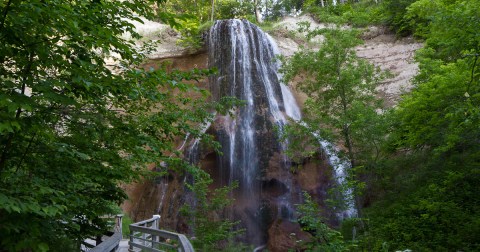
(473, 72)
(5, 13)
(8, 144)
(26, 151)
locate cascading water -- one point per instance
(340, 166)
(244, 57)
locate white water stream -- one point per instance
(340, 166)
(247, 67)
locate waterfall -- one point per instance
(291, 107)
(340, 166)
(244, 57)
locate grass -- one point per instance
(126, 221)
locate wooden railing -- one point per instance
(146, 236)
(110, 244)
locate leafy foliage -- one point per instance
(71, 131)
(227, 9)
(341, 104)
(210, 231)
(196, 17)
(395, 16)
(426, 202)
(450, 27)
(429, 184)
(341, 107)
(325, 238)
(355, 13)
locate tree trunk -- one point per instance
(26, 74)
(213, 10)
(258, 15)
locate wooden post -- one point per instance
(130, 243)
(157, 221)
(155, 225)
(98, 240)
(118, 223)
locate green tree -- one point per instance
(341, 106)
(211, 231)
(197, 17)
(71, 131)
(441, 111)
(449, 27)
(324, 237)
(355, 13)
(430, 183)
(433, 177)
(341, 87)
(395, 16)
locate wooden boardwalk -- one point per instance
(123, 246)
(144, 236)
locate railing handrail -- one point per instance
(149, 237)
(112, 242)
(109, 244)
(141, 223)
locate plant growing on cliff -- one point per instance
(210, 229)
(342, 105)
(71, 131)
(324, 237)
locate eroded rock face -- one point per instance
(285, 235)
(165, 195)
(381, 47)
